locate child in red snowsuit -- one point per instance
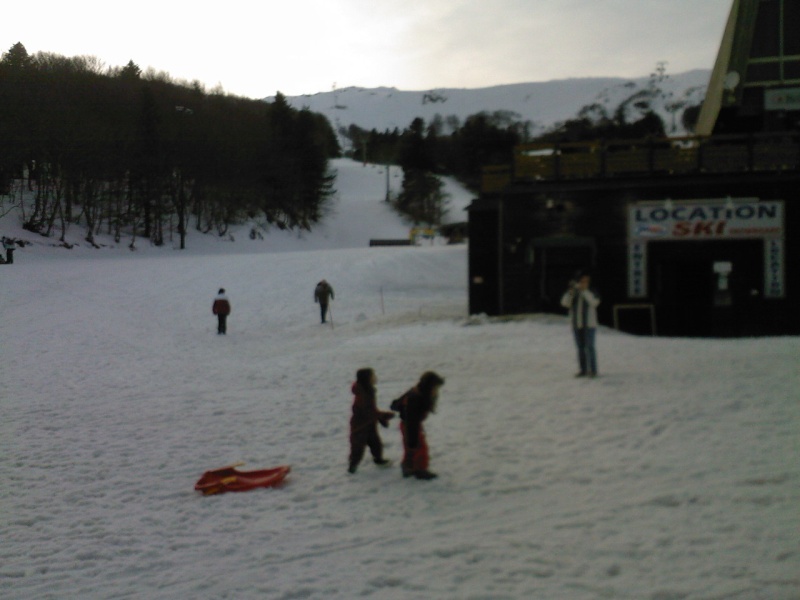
(365, 419)
(414, 407)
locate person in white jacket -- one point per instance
(582, 303)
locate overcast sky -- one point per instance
(254, 48)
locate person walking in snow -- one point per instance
(414, 407)
(582, 303)
(9, 246)
(221, 308)
(323, 293)
(365, 420)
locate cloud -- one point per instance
(256, 47)
(531, 40)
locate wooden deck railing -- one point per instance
(646, 158)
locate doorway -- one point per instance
(707, 289)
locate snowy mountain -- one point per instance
(542, 103)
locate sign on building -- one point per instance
(782, 99)
(706, 220)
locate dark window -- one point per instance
(791, 27)
(752, 101)
(791, 69)
(770, 71)
(766, 38)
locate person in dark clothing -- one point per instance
(414, 407)
(9, 246)
(323, 293)
(365, 420)
(221, 308)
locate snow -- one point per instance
(543, 103)
(673, 475)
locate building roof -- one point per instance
(759, 51)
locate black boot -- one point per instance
(426, 475)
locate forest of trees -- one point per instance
(117, 150)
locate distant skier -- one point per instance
(414, 407)
(221, 308)
(365, 420)
(323, 293)
(9, 246)
(582, 303)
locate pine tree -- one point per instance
(130, 72)
(422, 197)
(17, 57)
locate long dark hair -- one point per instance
(427, 382)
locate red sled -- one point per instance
(228, 479)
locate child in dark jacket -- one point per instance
(365, 419)
(414, 407)
(221, 308)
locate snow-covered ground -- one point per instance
(675, 475)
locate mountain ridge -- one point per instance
(543, 103)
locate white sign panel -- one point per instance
(637, 269)
(706, 220)
(785, 99)
(773, 269)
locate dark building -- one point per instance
(692, 236)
